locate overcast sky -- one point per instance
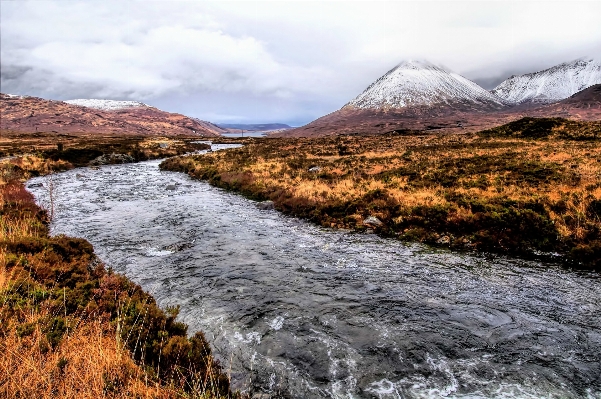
(291, 62)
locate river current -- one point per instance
(296, 310)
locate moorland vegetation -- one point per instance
(529, 188)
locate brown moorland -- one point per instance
(65, 151)
(531, 187)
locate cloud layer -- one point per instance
(275, 61)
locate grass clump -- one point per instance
(525, 194)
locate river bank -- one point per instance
(72, 328)
(297, 310)
(529, 188)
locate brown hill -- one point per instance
(584, 105)
(22, 114)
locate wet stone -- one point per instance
(373, 221)
(265, 205)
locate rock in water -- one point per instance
(265, 205)
(372, 220)
(111, 159)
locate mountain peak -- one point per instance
(552, 84)
(416, 64)
(421, 83)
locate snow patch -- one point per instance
(553, 84)
(277, 323)
(107, 105)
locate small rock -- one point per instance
(265, 205)
(315, 169)
(171, 187)
(374, 221)
(34, 185)
(111, 159)
(444, 240)
(79, 176)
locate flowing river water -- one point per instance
(296, 310)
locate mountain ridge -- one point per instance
(552, 84)
(376, 110)
(107, 105)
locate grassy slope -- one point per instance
(529, 186)
(70, 328)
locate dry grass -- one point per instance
(70, 329)
(88, 363)
(481, 191)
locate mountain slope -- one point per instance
(419, 83)
(584, 105)
(551, 85)
(415, 95)
(32, 114)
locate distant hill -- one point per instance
(32, 114)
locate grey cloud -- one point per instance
(277, 61)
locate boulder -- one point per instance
(444, 240)
(373, 221)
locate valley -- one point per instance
(428, 239)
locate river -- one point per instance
(296, 310)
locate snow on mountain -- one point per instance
(107, 105)
(414, 83)
(553, 84)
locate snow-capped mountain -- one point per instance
(553, 84)
(107, 105)
(419, 83)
